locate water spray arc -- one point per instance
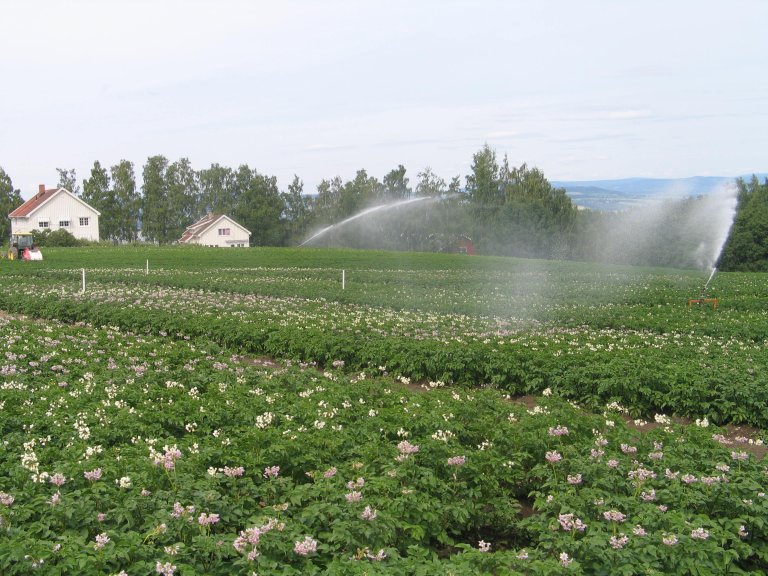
(703, 298)
(711, 276)
(366, 212)
(725, 204)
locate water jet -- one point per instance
(366, 212)
(703, 299)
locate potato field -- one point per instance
(304, 411)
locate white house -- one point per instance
(216, 230)
(56, 209)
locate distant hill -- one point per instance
(608, 195)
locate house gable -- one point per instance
(216, 230)
(55, 209)
(43, 198)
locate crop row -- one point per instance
(555, 294)
(135, 453)
(687, 372)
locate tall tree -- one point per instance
(327, 203)
(483, 183)
(98, 193)
(10, 199)
(429, 184)
(217, 190)
(183, 203)
(358, 194)
(455, 186)
(396, 184)
(297, 210)
(68, 180)
(537, 219)
(127, 200)
(155, 208)
(260, 207)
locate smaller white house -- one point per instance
(216, 230)
(56, 209)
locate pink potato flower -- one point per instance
(553, 456)
(369, 514)
(305, 547)
(271, 472)
(92, 475)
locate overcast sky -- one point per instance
(583, 89)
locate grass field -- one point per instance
(436, 414)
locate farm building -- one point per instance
(56, 209)
(216, 230)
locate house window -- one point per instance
(224, 231)
(43, 224)
(84, 221)
(63, 223)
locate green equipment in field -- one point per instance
(19, 242)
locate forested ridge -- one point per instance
(500, 209)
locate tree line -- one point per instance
(500, 209)
(747, 246)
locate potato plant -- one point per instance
(145, 432)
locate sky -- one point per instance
(582, 90)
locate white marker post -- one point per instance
(83, 288)
(343, 279)
(147, 272)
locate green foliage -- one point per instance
(297, 214)
(127, 202)
(516, 212)
(155, 213)
(595, 334)
(59, 238)
(116, 199)
(183, 198)
(358, 194)
(747, 247)
(218, 194)
(325, 206)
(10, 199)
(127, 451)
(429, 184)
(68, 180)
(98, 192)
(260, 207)
(395, 184)
(504, 210)
(483, 184)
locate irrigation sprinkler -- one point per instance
(703, 299)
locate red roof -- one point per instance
(202, 225)
(26, 209)
(198, 227)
